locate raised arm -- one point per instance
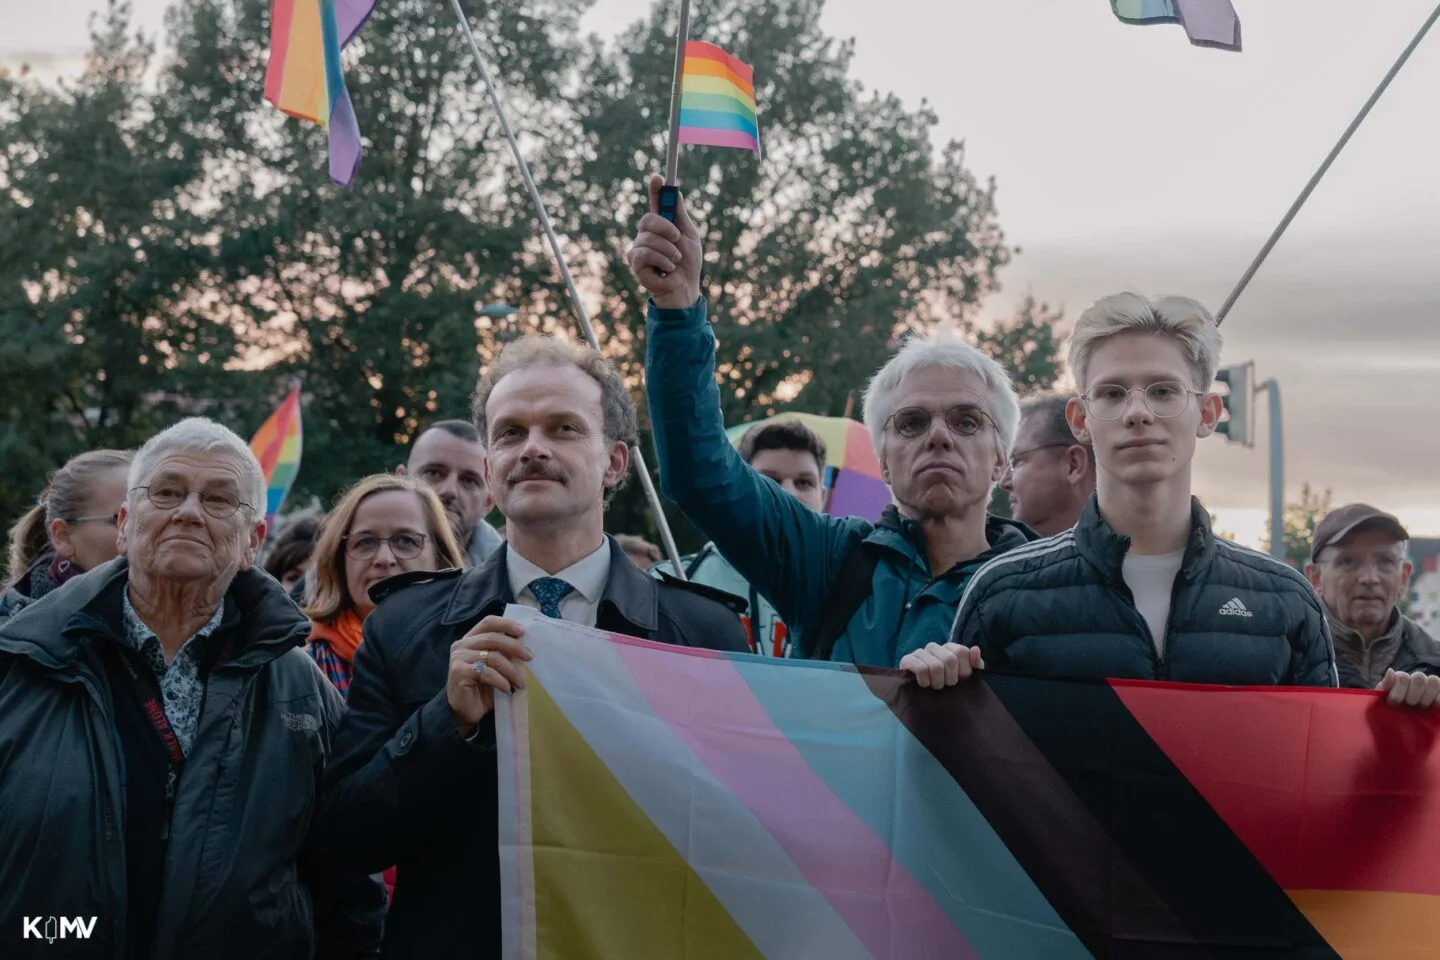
(789, 553)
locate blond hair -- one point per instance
(329, 595)
(1181, 319)
(63, 499)
(617, 409)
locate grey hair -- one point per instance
(1184, 320)
(948, 350)
(205, 436)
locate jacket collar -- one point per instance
(55, 631)
(1098, 542)
(630, 603)
(907, 536)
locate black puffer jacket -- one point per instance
(1060, 607)
(239, 882)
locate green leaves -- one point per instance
(173, 245)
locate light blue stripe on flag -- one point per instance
(715, 120)
(934, 829)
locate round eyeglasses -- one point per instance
(1168, 398)
(963, 421)
(220, 504)
(404, 546)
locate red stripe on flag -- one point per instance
(284, 419)
(700, 50)
(1329, 789)
(281, 12)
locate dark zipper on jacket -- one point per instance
(1160, 660)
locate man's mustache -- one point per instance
(537, 471)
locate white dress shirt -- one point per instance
(587, 578)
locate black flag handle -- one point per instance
(669, 201)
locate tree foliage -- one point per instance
(1301, 519)
(173, 244)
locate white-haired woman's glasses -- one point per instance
(963, 420)
(220, 504)
(1168, 398)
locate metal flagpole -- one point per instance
(637, 458)
(1324, 168)
(669, 194)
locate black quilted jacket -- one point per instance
(1060, 607)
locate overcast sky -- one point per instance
(1127, 159)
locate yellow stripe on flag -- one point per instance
(716, 85)
(302, 91)
(608, 884)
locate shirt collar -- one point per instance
(137, 633)
(587, 576)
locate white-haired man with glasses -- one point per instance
(942, 418)
(163, 735)
(1141, 587)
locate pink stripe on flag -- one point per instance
(718, 716)
(706, 137)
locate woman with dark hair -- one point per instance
(70, 530)
(383, 525)
(287, 556)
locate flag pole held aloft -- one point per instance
(672, 552)
(670, 192)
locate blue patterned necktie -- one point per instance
(548, 592)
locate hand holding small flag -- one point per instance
(665, 256)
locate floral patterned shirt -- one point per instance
(182, 691)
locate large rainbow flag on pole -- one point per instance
(277, 446)
(304, 78)
(1208, 23)
(717, 99)
(661, 803)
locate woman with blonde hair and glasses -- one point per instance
(69, 531)
(382, 526)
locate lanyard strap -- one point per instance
(156, 713)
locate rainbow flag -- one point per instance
(303, 77)
(717, 99)
(277, 446)
(1208, 23)
(853, 483)
(662, 802)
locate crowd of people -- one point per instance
(224, 755)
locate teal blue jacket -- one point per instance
(791, 554)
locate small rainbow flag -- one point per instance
(303, 77)
(277, 446)
(717, 99)
(1208, 23)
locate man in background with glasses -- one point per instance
(1359, 569)
(1051, 474)
(942, 418)
(1142, 587)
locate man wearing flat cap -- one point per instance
(1358, 567)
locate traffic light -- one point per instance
(1235, 422)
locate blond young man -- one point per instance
(1141, 587)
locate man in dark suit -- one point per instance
(414, 781)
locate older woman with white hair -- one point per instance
(942, 416)
(163, 734)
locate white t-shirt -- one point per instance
(1152, 580)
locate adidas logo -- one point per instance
(1235, 609)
